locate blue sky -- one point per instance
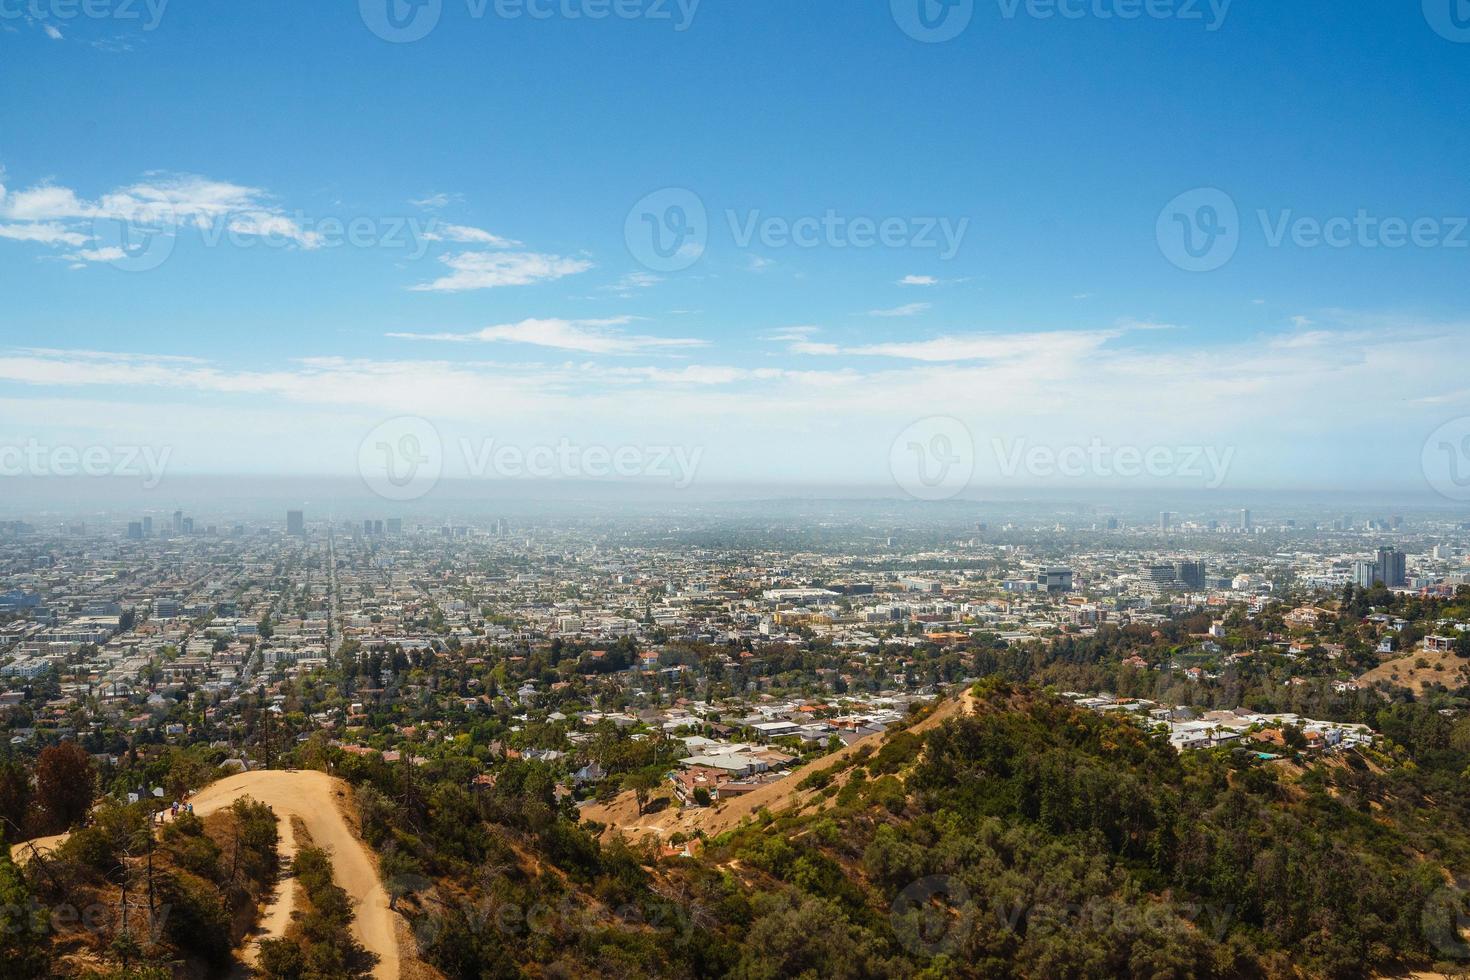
(492, 165)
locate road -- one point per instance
(318, 800)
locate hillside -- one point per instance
(1009, 833)
(1420, 671)
(620, 815)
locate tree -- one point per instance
(15, 798)
(642, 784)
(65, 778)
(23, 924)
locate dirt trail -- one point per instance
(318, 800)
(276, 916)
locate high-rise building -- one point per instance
(1055, 579)
(395, 525)
(1392, 567)
(1160, 574)
(367, 528)
(1190, 574)
(1166, 520)
(178, 521)
(1245, 519)
(135, 530)
(187, 525)
(295, 522)
(147, 526)
(1365, 573)
(378, 528)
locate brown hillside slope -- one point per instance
(621, 813)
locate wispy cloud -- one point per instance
(907, 309)
(583, 336)
(912, 280)
(491, 270)
(436, 201)
(465, 234)
(57, 215)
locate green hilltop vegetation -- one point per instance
(1030, 838)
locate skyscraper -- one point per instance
(178, 521)
(1245, 519)
(1392, 567)
(1166, 520)
(295, 522)
(1190, 574)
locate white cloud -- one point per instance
(797, 333)
(1285, 415)
(158, 201)
(633, 282)
(467, 235)
(108, 253)
(436, 201)
(907, 309)
(584, 336)
(52, 31)
(912, 280)
(489, 270)
(47, 233)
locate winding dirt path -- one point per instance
(319, 801)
